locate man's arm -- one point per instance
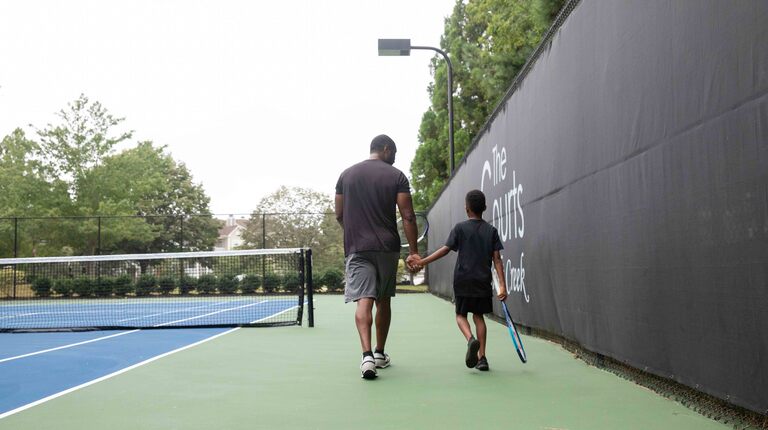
(405, 205)
(502, 293)
(339, 205)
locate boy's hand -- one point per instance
(413, 262)
(502, 294)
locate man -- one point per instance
(366, 196)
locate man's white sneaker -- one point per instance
(368, 368)
(382, 359)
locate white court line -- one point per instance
(211, 313)
(66, 346)
(132, 331)
(274, 315)
(173, 311)
(105, 377)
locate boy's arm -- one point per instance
(440, 253)
(502, 294)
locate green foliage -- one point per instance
(333, 279)
(26, 187)
(42, 287)
(82, 140)
(250, 283)
(123, 285)
(271, 282)
(206, 284)
(73, 170)
(163, 189)
(146, 285)
(83, 286)
(291, 282)
(103, 287)
(187, 285)
(228, 285)
(301, 219)
(65, 287)
(488, 42)
(166, 285)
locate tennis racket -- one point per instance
(510, 324)
(422, 226)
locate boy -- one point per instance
(478, 244)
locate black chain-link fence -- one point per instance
(108, 235)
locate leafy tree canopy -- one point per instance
(488, 42)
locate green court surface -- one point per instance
(302, 378)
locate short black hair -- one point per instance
(476, 201)
(380, 142)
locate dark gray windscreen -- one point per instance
(628, 177)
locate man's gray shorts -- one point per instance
(370, 274)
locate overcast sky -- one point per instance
(250, 95)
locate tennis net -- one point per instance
(262, 287)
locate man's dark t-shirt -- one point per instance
(370, 191)
(475, 240)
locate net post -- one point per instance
(300, 290)
(310, 290)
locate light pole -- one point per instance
(402, 47)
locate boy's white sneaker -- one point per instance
(381, 359)
(368, 368)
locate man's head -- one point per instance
(475, 202)
(383, 146)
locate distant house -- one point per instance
(231, 234)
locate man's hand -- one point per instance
(413, 262)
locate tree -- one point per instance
(26, 191)
(162, 195)
(489, 41)
(293, 217)
(74, 173)
(81, 141)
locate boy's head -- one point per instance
(475, 202)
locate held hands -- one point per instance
(414, 263)
(502, 293)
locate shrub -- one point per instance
(206, 284)
(333, 279)
(123, 285)
(146, 285)
(187, 285)
(103, 287)
(250, 284)
(83, 286)
(166, 285)
(291, 282)
(65, 287)
(228, 285)
(271, 282)
(42, 287)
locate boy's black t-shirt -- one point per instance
(370, 191)
(475, 240)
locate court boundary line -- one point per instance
(71, 345)
(113, 374)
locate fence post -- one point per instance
(15, 250)
(98, 235)
(181, 233)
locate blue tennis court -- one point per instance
(37, 367)
(149, 312)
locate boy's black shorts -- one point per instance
(475, 305)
